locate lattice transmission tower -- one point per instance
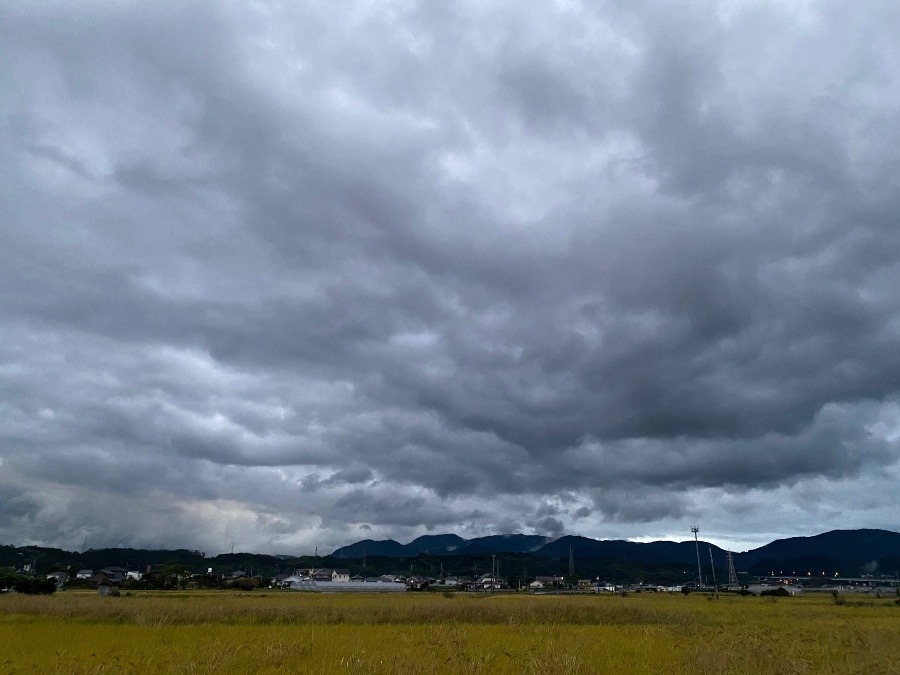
(732, 575)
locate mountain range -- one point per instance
(843, 552)
(828, 551)
(444, 544)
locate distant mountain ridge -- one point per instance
(443, 544)
(383, 547)
(435, 543)
(503, 543)
(844, 552)
(618, 549)
(868, 543)
(838, 548)
(582, 547)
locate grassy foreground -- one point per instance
(283, 632)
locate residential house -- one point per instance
(278, 581)
(109, 575)
(488, 582)
(340, 575)
(417, 583)
(59, 577)
(322, 574)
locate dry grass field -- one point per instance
(284, 632)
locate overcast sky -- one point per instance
(293, 274)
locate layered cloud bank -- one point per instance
(291, 275)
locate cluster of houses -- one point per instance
(322, 579)
(103, 577)
(328, 579)
(303, 578)
(290, 580)
(341, 580)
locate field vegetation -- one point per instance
(289, 632)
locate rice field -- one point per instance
(284, 632)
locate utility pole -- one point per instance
(695, 530)
(493, 572)
(712, 566)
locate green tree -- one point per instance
(8, 577)
(36, 586)
(174, 576)
(26, 585)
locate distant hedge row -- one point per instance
(27, 585)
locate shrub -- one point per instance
(780, 592)
(837, 598)
(34, 586)
(246, 584)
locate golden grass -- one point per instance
(219, 632)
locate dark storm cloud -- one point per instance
(17, 504)
(302, 274)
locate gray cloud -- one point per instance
(298, 275)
